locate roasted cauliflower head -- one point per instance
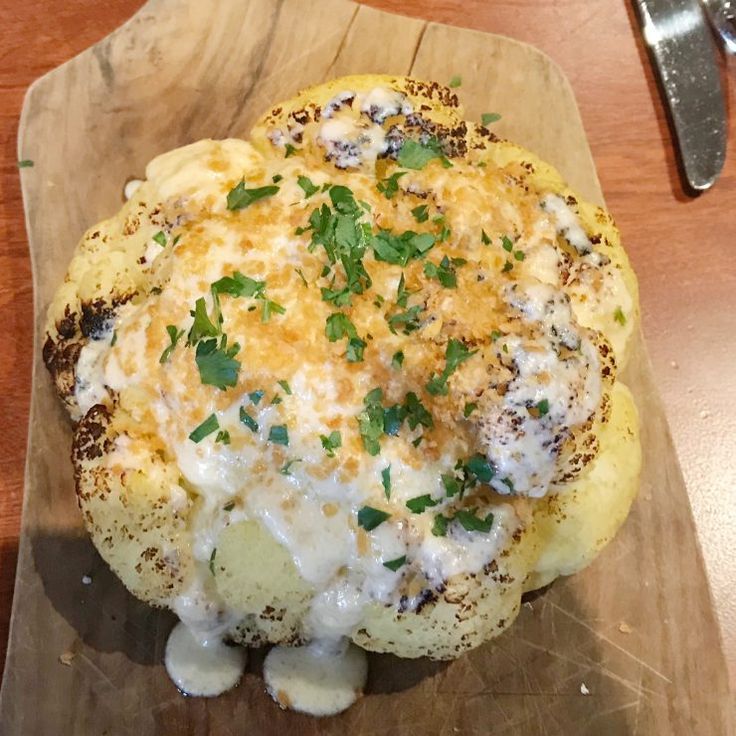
(355, 377)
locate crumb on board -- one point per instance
(584, 689)
(528, 605)
(66, 658)
(86, 580)
(624, 628)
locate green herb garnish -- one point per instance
(484, 238)
(285, 385)
(279, 435)
(25, 163)
(338, 326)
(286, 467)
(421, 213)
(455, 354)
(472, 523)
(394, 565)
(439, 528)
(397, 359)
(444, 272)
(489, 117)
(256, 396)
(216, 363)
(212, 560)
(370, 421)
(248, 420)
(174, 336)
(418, 504)
(239, 285)
(239, 197)
(369, 518)
(223, 436)
(456, 81)
(390, 186)
(386, 481)
(619, 316)
(160, 238)
(415, 155)
(470, 407)
(331, 442)
(307, 186)
(289, 150)
(208, 426)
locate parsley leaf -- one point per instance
(420, 213)
(174, 336)
(217, 365)
(456, 81)
(386, 481)
(470, 407)
(286, 467)
(239, 197)
(415, 155)
(540, 409)
(223, 436)
(390, 186)
(160, 238)
(484, 238)
(472, 523)
(489, 117)
(289, 150)
(394, 565)
(268, 307)
(455, 354)
(279, 435)
(256, 396)
(408, 321)
(285, 385)
(239, 285)
(479, 467)
(418, 504)
(202, 325)
(338, 326)
(248, 420)
(444, 272)
(619, 316)
(370, 421)
(331, 442)
(400, 249)
(397, 360)
(507, 244)
(439, 528)
(451, 484)
(307, 186)
(369, 518)
(208, 426)
(25, 163)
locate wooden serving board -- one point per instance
(636, 629)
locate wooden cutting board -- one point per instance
(636, 630)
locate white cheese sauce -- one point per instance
(131, 187)
(319, 679)
(204, 669)
(567, 222)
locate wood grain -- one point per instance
(338, 62)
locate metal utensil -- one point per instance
(722, 14)
(684, 54)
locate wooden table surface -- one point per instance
(684, 249)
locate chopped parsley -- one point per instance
(470, 407)
(471, 522)
(479, 468)
(484, 238)
(507, 244)
(269, 307)
(407, 321)
(256, 396)
(456, 81)
(444, 272)
(519, 255)
(301, 276)
(308, 187)
(415, 155)
(174, 336)
(279, 435)
(229, 506)
(25, 163)
(239, 197)
(207, 427)
(418, 504)
(452, 484)
(202, 326)
(223, 436)
(439, 527)
(216, 363)
(507, 267)
(390, 186)
(397, 359)
(286, 467)
(370, 421)
(115, 337)
(455, 354)
(369, 518)
(386, 481)
(495, 334)
(289, 150)
(276, 400)
(160, 238)
(240, 286)
(248, 420)
(421, 213)
(400, 249)
(285, 385)
(276, 178)
(619, 316)
(394, 565)
(338, 326)
(540, 409)
(331, 442)
(489, 117)
(212, 560)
